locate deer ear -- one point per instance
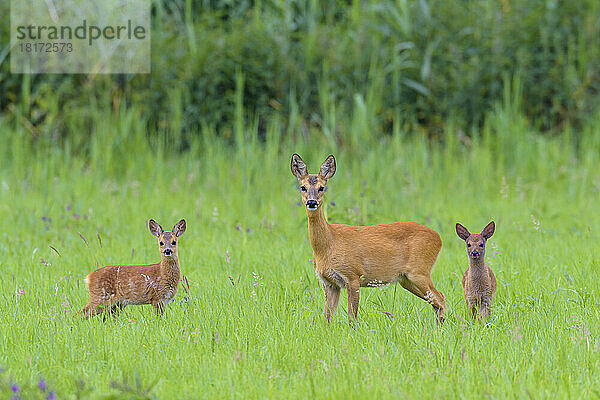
(179, 228)
(488, 231)
(328, 167)
(298, 167)
(462, 232)
(155, 228)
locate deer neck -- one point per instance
(477, 266)
(169, 266)
(319, 231)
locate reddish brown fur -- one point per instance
(351, 257)
(479, 281)
(113, 287)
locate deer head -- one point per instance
(312, 186)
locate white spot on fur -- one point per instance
(376, 283)
(429, 297)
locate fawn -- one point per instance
(352, 257)
(479, 282)
(115, 286)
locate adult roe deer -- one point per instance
(479, 282)
(352, 257)
(117, 286)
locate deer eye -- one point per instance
(321, 188)
(468, 244)
(303, 188)
(162, 243)
(480, 244)
(173, 243)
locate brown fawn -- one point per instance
(479, 282)
(352, 257)
(116, 286)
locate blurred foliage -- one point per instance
(310, 63)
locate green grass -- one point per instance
(264, 335)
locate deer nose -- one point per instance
(475, 253)
(168, 252)
(312, 204)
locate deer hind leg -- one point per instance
(423, 287)
(332, 296)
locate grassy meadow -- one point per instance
(250, 325)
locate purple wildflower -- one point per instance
(42, 385)
(51, 396)
(14, 388)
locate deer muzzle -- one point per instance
(312, 204)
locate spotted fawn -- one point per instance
(113, 287)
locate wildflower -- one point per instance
(42, 385)
(18, 293)
(51, 396)
(536, 223)
(257, 279)
(14, 388)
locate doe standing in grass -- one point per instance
(352, 257)
(479, 282)
(116, 286)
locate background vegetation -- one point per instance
(437, 112)
(311, 63)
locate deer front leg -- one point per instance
(353, 299)
(472, 305)
(159, 308)
(484, 308)
(332, 296)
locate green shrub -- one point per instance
(311, 63)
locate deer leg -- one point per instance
(115, 309)
(472, 306)
(332, 296)
(159, 308)
(484, 309)
(423, 287)
(353, 289)
(93, 308)
(474, 311)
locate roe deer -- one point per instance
(116, 286)
(479, 282)
(351, 257)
